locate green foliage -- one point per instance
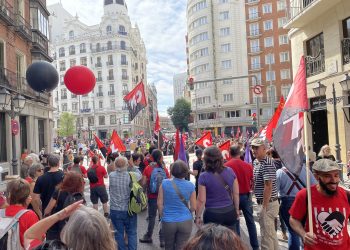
(67, 124)
(180, 114)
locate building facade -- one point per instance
(23, 40)
(320, 31)
(216, 49)
(269, 52)
(115, 52)
(179, 85)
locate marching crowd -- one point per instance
(46, 207)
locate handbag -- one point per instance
(223, 182)
(182, 198)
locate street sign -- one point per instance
(257, 89)
(14, 127)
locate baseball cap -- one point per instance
(325, 165)
(257, 142)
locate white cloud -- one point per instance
(162, 25)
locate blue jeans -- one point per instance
(245, 204)
(293, 237)
(123, 222)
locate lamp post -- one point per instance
(17, 103)
(320, 90)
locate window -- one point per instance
(110, 74)
(123, 60)
(254, 45)
(62, 66)
(71, 34)
(254, 29)
(267, 8)
(109, 45)
(63, 93)
(233, 113)
(268, 25)
(228, 97)
(113, 119)
(225, 31)
(98, 47)
(83, 61)
(285, 74)
(197, 7)
(200, 68)
(199, 53)
(3, 134)
(98, 63)
(85, 104)
(315, 49)
(285, 90)
(253, 12)
(226, 64)
(227, 82)
(199, 38)
(39, 21)
(270, 76)
(122, 45)
(270, 59)
(199, 22)
(110, 60)
(91, 120)
(315, 45)
(225, 47)
(282, 21)
(72, 50)
(74, 106)
(255, 62)
(256, 80)
(64, 107)
(109, 29)
(72, 62)
(112, 103)
(281, 5)
(100, 104)
(223, 1)
(224, 15)
(82, 48)
(207, 116)
(346, 28)
(111, 87)
(283, 39)
(101, 120)
(271, 93)
(203, 100)
(122, 30)
(61, 52)
(268, 41)
(284, 56)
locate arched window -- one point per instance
(61, 52)
(72, 50)
(82, 48)
(108, 2)
(122, 30)
(122, 45)
(71, 34)
(109, 45)
(119, 2)
(109, 29)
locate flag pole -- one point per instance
(308, 184)
(158, 140)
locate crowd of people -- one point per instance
(50, 205)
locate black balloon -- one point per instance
(42, 76)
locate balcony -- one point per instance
(255, 67)
(6, 13)
(23, 28)
(40, 44)
(85, 110)
(73, 96)
(252, 2)
(124, 63)
(82, 51)
(253, 17)
(346, 50)
(99, 79)
(303, 12)
(111, 93)
(255, 50)
(315, 65)
(63, 97)
(62, 68)
(62, 54)
(98, 65)
(254, 33)
(125, 92)
(109, 63)
(110, 78)
(99, 94)
(125, 77)
(123, 33)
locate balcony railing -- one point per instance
(110, 78)
(98, 65)
(85, 110)
(62, 55)
(6, 12)
(63, 97)
(253, 16)
(73, 96)
(255, 32)
(315, 65)
(252, 1)
(125, 77)
(99, 94)
(346, 50)
(256, 49)
(297, 7)
(109, 63)
(125, 92)
(108, 48)
(99, 79)
(124, 33)
(39, 41)
(111, 93)
(23, 28)
(124, 63)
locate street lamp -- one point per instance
(17, 103)
(320, 90)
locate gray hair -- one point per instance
(87, 229)
(121, 162)
(53, 160)
(33, 169)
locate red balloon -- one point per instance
(80, 80)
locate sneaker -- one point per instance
(284, 236)
(146, 239)
(162, 244)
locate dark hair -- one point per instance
(136, 156)
(213, 160)
(127, 155)
(111, 157)
(73, 182)
(199, 152)
(274, 153)
(215, 237)
(76, 160)
(151, 149)
(52, 245)
(235, 151)
(18, 191)
(179, 169)
(157, 156)
(53, 160)
(94, 159)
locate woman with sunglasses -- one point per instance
(217, 191)
(34, 172)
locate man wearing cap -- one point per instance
(330, 210)
(265, 190)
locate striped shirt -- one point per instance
(264, 170)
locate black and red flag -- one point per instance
(101, 146)
(136, 100)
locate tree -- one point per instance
(180, 114)
(67, 124)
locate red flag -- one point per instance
(157, 125)
(205, 141)
(116, 144)
(225, 150)
(238, 134)
(101, 146)
(136, 100)
(273, 122)
(288, 135)
(177, 144)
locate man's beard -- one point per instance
(326, 189)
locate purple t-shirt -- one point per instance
(216, 194)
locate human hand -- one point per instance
(198, 222)
(309, 239)
(66, 212)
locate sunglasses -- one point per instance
(40, 170)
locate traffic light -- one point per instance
(254, 122)
(191, 83)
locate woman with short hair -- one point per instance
(34, 172)
(217, 192)
(173, 197)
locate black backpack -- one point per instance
(92, 176)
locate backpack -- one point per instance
(92, 176)
(157, 176)
(138, 199)
(76, 168)
(71, 198)
(9, 230)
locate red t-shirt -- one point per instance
(147, 172)
(101, 173)
(26, 221)
(244, 173)
(29, 179)
(329, 213)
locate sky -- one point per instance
(162, 25)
